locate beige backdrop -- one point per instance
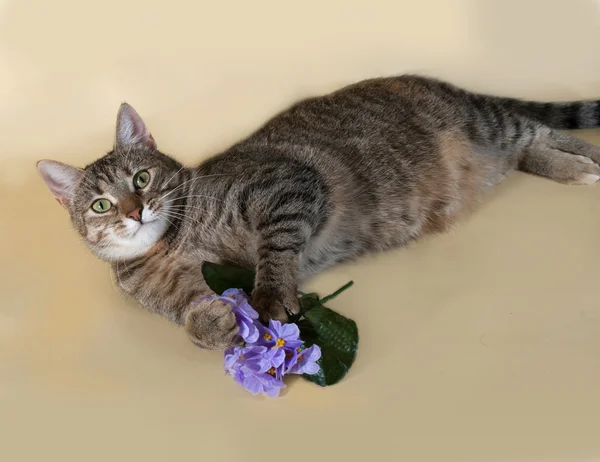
(483, 344)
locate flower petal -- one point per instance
(311, 368)
(273, 358)
(290, 363)
(293, 344)
(273, 392)
(290, 331)
(247, 310)
(275, 326)
(253, 334)
(238, 377)
(237, 294)
(278, 357)
(244, 330)
(253, 385)
(313, 353)
(230, 293)
(261, 336)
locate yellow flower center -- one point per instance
(241, 357)
(280, 343)
(298, 350)
(271, 371)
(267, 336)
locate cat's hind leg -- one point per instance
(563, 158)
(560, 166)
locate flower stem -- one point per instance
(336, 293)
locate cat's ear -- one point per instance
(131, 130)
(60, 179)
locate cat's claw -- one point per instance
(271, 305)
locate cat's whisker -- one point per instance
(99, 245)
(174, 174)
(187, 206)
(112, 280)
(117, 274)
(177, 215)
(181, 216)
(174, 212)
(192, 179)
(89, 250)
(195, 195)
(186, 213)
(128, 272)
(165, 217)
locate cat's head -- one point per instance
(122, 204)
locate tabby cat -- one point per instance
(365, 169)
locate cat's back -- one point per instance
(364, 111)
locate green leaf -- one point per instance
(220, 278)
(308, 302)
(336, 335)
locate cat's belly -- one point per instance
(351, 237)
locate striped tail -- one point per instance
(566, 116)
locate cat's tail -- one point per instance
(571, 115)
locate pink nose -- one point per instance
(135, 214)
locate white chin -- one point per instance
(140, 243)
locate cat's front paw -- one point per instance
(273, 304)
(211, 325)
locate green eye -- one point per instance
(141, 179)
(101, 206)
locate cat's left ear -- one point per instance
(131, 130)
(60, 178)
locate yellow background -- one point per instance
(482, 344)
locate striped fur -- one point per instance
(368, 168)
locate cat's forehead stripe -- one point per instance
(91, 186)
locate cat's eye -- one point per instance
(101, 206)
(141, 179)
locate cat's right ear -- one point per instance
(60, 178)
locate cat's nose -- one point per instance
(136, 214)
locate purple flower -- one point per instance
(238, 357)
(239, 296)
(261, 382)
(305, 361)
(253, 368)
(273, 361)
(279, 335)
(270, 352)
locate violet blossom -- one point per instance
(305, 361)
(279, 335)
(270, 352)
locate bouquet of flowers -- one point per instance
(320, 346)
